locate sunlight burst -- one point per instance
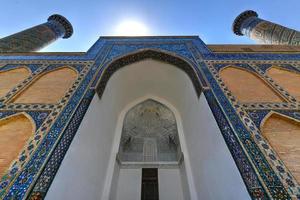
(131, 28)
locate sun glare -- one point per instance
(131, 28)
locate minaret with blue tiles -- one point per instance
(264, 32)
(37, 37)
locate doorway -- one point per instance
(149, 184)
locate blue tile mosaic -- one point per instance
(258, 116)
(220, 66)
(252, 56)
(37, 116)
(58, 124)
(265, 67)
(32, 67)
(77, 67)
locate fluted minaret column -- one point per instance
(37, 37)
(264, 32)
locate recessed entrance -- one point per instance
(149, 184)
(149, 136)
(149, 146)
(205, 171)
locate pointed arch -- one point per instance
(11, 78)
(154, 54)
(149, 134)
(247, 86)
(283, 134)
(15, 130)
(49, 87)
(287, 79)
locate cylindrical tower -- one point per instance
(37, 37)
(262, 31)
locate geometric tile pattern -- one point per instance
(263, 172)
(47, 176)
(274, 162)
(37, 37)
(144, 54)
(28, 40)
(53, 111)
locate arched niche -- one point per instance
(287, 79)
(15, 130)
(283, 134)
(99, 135)
(149, 135)
(49, 87)
(11, 78)
(158, 55)
(247, 87)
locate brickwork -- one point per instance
(10, 78)
(287, 79)
(14, 133)
(247, 87)
(49, 87)
(284, 136)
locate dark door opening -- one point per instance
(149, 184)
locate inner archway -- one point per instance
(149, 136)
(98, 140)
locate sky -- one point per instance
(211, 20)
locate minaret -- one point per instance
(37, 37)
(264, 32)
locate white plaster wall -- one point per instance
(184, 182)
(112, 183)
(169, 184)
(129, 184)
(83, 170)
(214, 171)
(87, 170)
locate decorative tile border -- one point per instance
(254, 56)
(257, 116)
(29, 62)
(118, 63)
(45, 179)
(253, 182)
(255, 106)
(31, 67)
(23, 106)
(254, 67)
(261, 145)
(256, 161)
(37, 116)
(21, 85)
(275, 85)
(34, 142)
(261, 61)
(289, 67)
